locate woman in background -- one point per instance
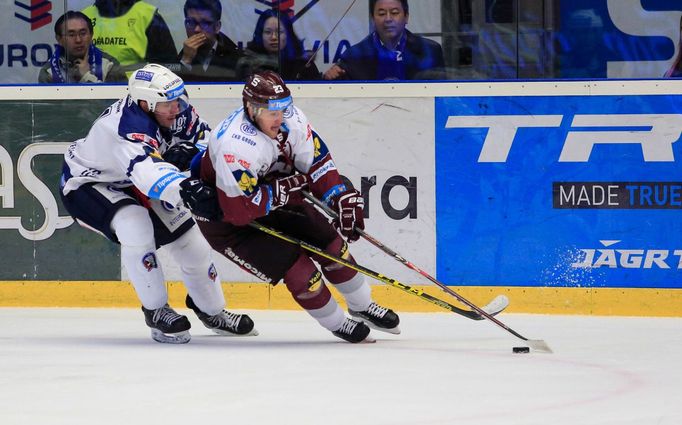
(276, 47)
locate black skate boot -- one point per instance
(167, 325)
(224, 323)
(353, 331)
(379, 318)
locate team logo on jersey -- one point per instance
(244, 164)
(229, 158)
(309, 132)
(212, 273)
(316, 143)
(247, 128)
(247, 183)
(320, 148)
(149, 261)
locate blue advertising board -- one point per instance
(559, 191)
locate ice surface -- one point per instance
(99, 366)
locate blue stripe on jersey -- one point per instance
(335, 190)
(161, 184)
(268, 206)
(226, 122)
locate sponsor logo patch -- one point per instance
(248, 129)
(144, 75)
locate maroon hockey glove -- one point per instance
(201, 199)
(283, 187)
(350, 206)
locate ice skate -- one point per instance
(379, 318)
(353, 331)
(167, 326)
(224, 323)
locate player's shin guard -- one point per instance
(194, 255)
(305, 283)
(135, 232)
(145, 274)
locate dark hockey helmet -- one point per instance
(266, 90)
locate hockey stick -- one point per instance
(312, 56)
(501, 300)
(367, 272)
(536, 344)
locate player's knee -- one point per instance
(333, 271)
(306, 285)
(133, 226)
(192, 251)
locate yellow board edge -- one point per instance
(544, 300)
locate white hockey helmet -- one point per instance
(157, 84)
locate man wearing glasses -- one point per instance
(76, 59)
(207, 54)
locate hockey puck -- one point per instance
(521, 349)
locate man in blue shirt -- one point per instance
(390, 52)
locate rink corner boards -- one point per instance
(260, 296)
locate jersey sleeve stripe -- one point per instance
(161, 184)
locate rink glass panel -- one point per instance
(481, 39)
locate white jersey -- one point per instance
(239, 156)
(124, 147)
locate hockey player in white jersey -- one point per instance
(258, 160)
(124, 181)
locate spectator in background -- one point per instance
(390, 52)
(76, 59)
(276, 47)
(132, 31)
(207, 54)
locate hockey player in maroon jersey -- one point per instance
(258, 159)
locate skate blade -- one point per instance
(221, 332)
(368, 340)
(176, 338)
